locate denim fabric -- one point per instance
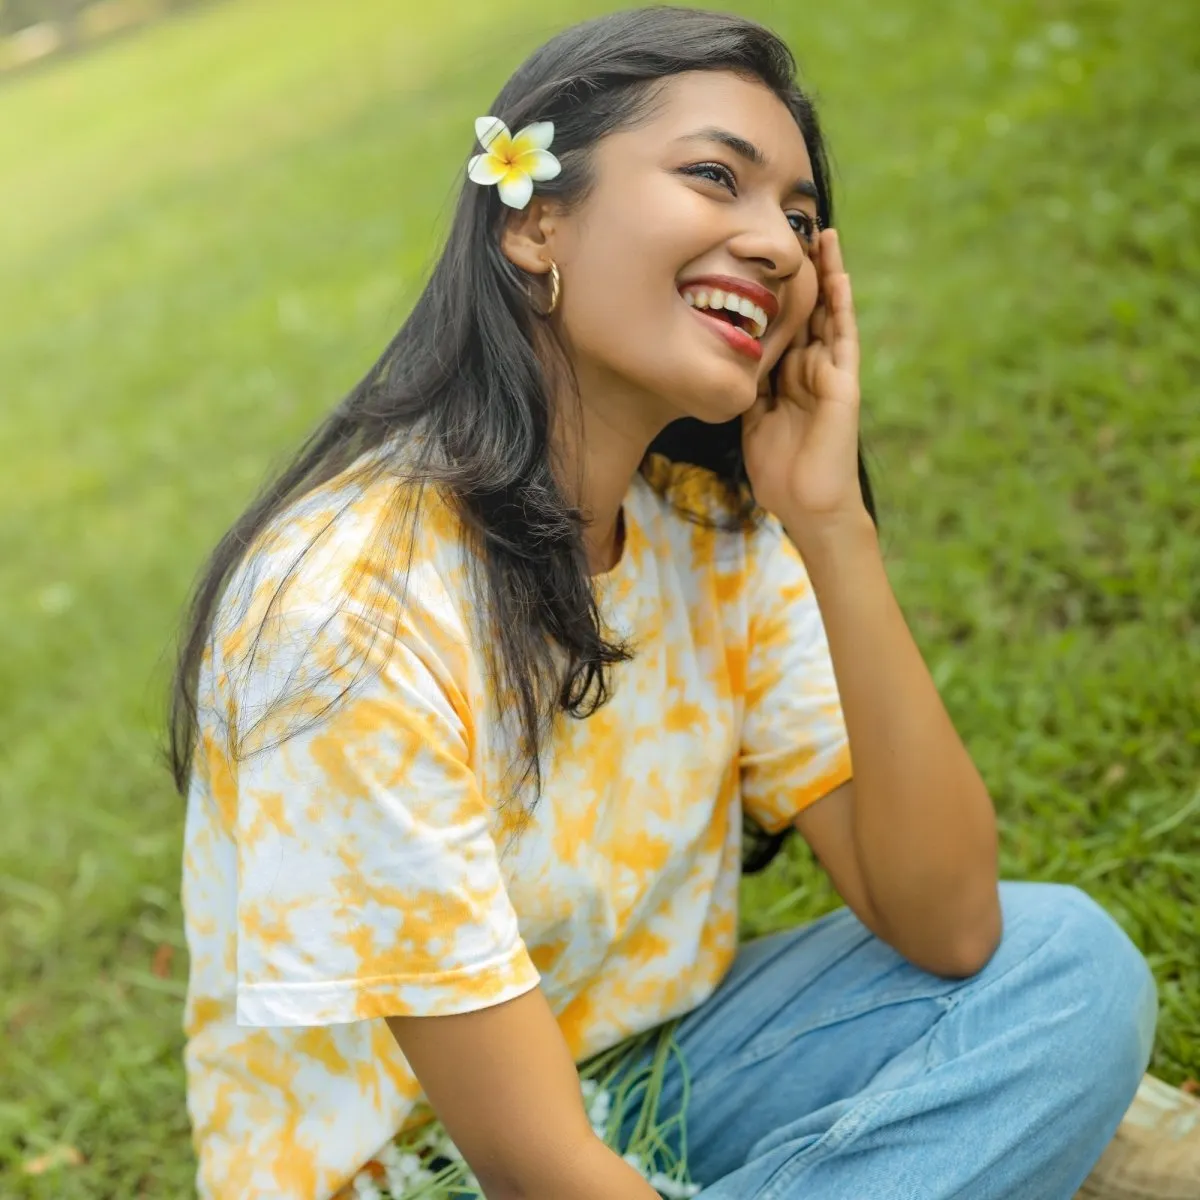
(826, 1067)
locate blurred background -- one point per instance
(212, 218)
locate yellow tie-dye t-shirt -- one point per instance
(348, 857)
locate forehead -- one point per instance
(746, 107)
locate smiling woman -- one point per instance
(478, 695)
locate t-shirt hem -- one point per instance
(345, 1001)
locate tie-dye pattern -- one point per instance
(347, 857)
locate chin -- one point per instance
(719, 407)
(714, 397)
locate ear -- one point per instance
(529, 236)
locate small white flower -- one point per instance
(513, 163)
(598, 1103)
(366, 1189)
(430, 1136)
(402, 1169)
(445, 1148)
(673, 1189)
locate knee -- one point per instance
(1096, 974)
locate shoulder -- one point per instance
(363, 545)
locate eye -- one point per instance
(806, 226)
(708, 170)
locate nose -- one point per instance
(769, 240)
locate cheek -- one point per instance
(619, 295)
(620, 269)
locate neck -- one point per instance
(599, 451)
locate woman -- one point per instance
(477, 694)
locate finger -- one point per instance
(814, 363)
(818, 323)
(797, 377)
(843, 339)
(794, 375)
(831, 254)
(829, 265)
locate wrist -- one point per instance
(832, 535)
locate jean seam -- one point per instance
(977, 985)
(840, 1134)
(774, 1045)
(948, 992)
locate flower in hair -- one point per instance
(513, 162)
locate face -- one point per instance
(714, 193)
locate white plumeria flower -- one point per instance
(513, 162)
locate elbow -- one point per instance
(973, 947)
(957, 950)
(970, 958)
(973, 935)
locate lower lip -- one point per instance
(739, 339)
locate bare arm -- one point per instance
(502, 1082)
(911, 842)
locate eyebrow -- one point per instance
(747, 150)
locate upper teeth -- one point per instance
(701, 297)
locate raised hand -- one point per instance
(801, 442)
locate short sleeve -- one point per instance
(794, 745)
(369, 883)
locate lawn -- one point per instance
(208, 230)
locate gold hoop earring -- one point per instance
(555, 289)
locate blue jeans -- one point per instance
(826, 1067)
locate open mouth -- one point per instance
(729, 307)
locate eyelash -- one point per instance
(808, 233)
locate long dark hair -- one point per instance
(464, 373)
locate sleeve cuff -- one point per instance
(344, 1001)
(778, 810)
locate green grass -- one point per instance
(209, 229)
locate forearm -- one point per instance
(587, 1171)
(503, 1083)
(924, 825)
